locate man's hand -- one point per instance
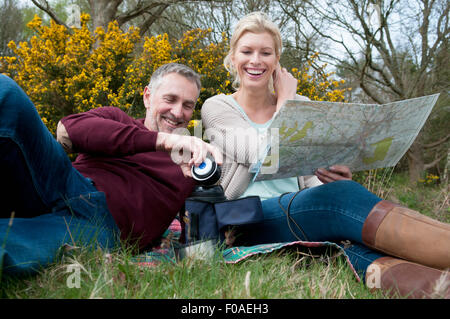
(187, 150)
(334, 173)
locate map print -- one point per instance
(320, 134)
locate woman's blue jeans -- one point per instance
(53, 204)
(330, 212)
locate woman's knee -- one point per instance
(348, 196)
(346, 185)
(343, 189)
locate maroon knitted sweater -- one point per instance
(144, 188)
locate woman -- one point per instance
(330, 207)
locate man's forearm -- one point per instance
(106, 131)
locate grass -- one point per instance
(279, 275)
(429, 199)
(283, 274)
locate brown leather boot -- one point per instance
(401, 278)
(407, 234)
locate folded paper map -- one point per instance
(306, 135)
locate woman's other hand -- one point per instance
(334, 173)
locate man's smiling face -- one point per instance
(172, 103)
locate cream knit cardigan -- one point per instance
(221, 117)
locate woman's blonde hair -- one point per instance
(255, 22)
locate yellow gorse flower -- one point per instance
(65, 73)
(316, 84)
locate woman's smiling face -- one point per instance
(255, 59)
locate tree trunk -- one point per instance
(416, 163)
(103, 12)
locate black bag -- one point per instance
(209, 214)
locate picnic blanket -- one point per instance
(166, 251)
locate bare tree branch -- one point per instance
(148, 22)
(435, 162)
(437, 143)
(45, 6)
(139, 10)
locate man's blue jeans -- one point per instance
(330, 212)
(53, 204)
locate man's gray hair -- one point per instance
(178, 68)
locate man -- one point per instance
(123, 181)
